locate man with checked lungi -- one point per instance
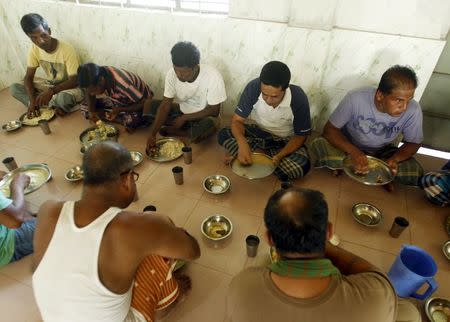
(436, 185)
(369, 120)
(281, 123)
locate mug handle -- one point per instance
(432, 286)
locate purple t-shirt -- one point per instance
(370, 129)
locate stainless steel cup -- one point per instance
(44, 126)
(178, 175)
(10, 163)
(187, 154)
(252, 243)
(398, 226)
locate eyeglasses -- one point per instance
(135, 174)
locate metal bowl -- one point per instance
(137, 157)
(446, 249)
(437, 309)
(74, 174)
(12, 126)
(216, 184)
(216, 227)
(367, 214)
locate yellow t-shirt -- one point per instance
(58, 65)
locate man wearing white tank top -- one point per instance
(95, 262)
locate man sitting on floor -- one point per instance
(198, 91)
(59, 61)
(124, 95)
(104, 263)
(311, 280)
(436, 185)
(281, 123)
(369, 120)
(16, 223)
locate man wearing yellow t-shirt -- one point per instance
(59, 62)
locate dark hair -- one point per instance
(105, 162)
(30, 22)
(300, 224)
(89, 74)
(185, 54)
(395, 77)
(276, 74)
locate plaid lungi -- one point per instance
(295, 165)
(409, 171)
(436, 185)
(154, 287)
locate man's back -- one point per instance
(253, 297)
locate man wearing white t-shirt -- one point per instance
(193, 94)
(281, 122)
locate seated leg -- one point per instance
(23, 240)
(294, 166)
(19, 92)
(327, 155)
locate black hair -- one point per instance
(185, 54)
(300, 224)
(89, 74)
(276, 74)
(104, 162)
(395, 77)
(30, 22)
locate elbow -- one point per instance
(195, 251)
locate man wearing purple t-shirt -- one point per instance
(368, 121)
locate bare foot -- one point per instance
(60, 112)
(389, 187)
(227, 158)
(337, 172)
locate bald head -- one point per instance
(104, 162)
(297, 221)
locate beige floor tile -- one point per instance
(17, 301)
(22, 156)
(248, 196)
(206, 302)
(443, 278)
(374, 237)
(19, 270)
(228, 256)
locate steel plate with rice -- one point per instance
(261, 167)
(46, 114)
(379, 172)
(98, 133)
(166, 149)
(39, 174)
(12, 126)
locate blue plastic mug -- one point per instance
(412, 268)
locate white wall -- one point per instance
(326, 61)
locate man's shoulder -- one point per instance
(66, 47)
(253, 87)
(369, 283)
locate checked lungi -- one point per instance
(409, 171)
(296, 165)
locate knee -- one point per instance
(223, 135)
(64, 100)
(16, 89)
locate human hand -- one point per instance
(21, 180)
(392, 163)
(151, 142)
(360, 161)
(2, 174)
(276, 159)
(44, 98)
(245, 154)
(93, 117)
(178, 122)
(33, 111)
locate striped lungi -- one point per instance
(436, 185)
(296, 165)
(409, 171)
(154, 287)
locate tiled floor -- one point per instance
(189, 204)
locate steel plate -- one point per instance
(437, 309)
(159, 154)
(261, 167)
(111, 129)
(39, 174)
(12, 126)
(136, 157)
(46, 114)
(379, 172)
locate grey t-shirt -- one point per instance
(370, 129)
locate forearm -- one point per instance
(346, 262)
(67, 84)
(207, 111)
(91, 101)
(131, 108)
(293, 145)
(337, 139)
(161, 116)
(29, 87)
(405, 152)
(238, 131)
